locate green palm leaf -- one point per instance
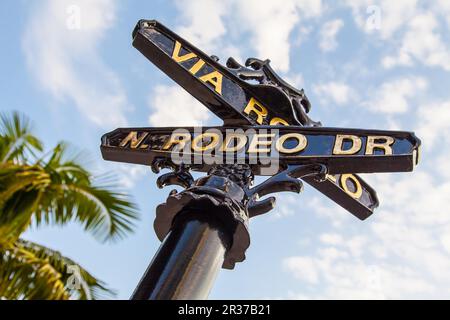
(32, 271)
(74, 195)
(59, 191)
(51, 189)
(17, 139)
(21, 188)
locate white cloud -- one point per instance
(336, 92)
(130, 174)
(203, 25)
(328, 210)
(269, 24)
(328, 34)
(394, 96)
(331, 238)
(400, 252)
(303, 268)
(445, 240)
(66, 61)
(285, 204)
(393, 15)
(434, 124)
(172, 106)
(443, 7)
(411, 31)
(423, 43)
(295, 80)
(347, 277)
(403, 250)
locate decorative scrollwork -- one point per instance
(179, 175)
(287, 180)
(262, 72)
(226, 193)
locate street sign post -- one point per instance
(341, 150)
(267, 131)
(237, 100)
(234, 97)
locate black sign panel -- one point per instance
(207, 80)
(226, 92)
(341, 150)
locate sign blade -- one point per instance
(350, 191)
(182, 62)
(157, 43)
(365, 151)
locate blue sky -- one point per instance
(70, 66)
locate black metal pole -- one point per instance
(205, 227)
(188, 260)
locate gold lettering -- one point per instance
(197, 66)
(134, 140)
(339, 143)
(331, 178)
(357, 185)
(255, 143)
(372, 144)
(179, 139)
(256, 107)
(215, 139)
(242, 140)
(216, 83)
(176, 54)
(278, 121)
(301, 143)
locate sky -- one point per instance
(69, 65)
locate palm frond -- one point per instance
(95, 203)
(31, 271)
(107, 214)
(17, 138)
(54, 188)
(59, 191)
(21, 189)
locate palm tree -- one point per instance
(54, 189)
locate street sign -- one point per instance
(267, 131)
(231, 95)
(341, 150)
(224, 90)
